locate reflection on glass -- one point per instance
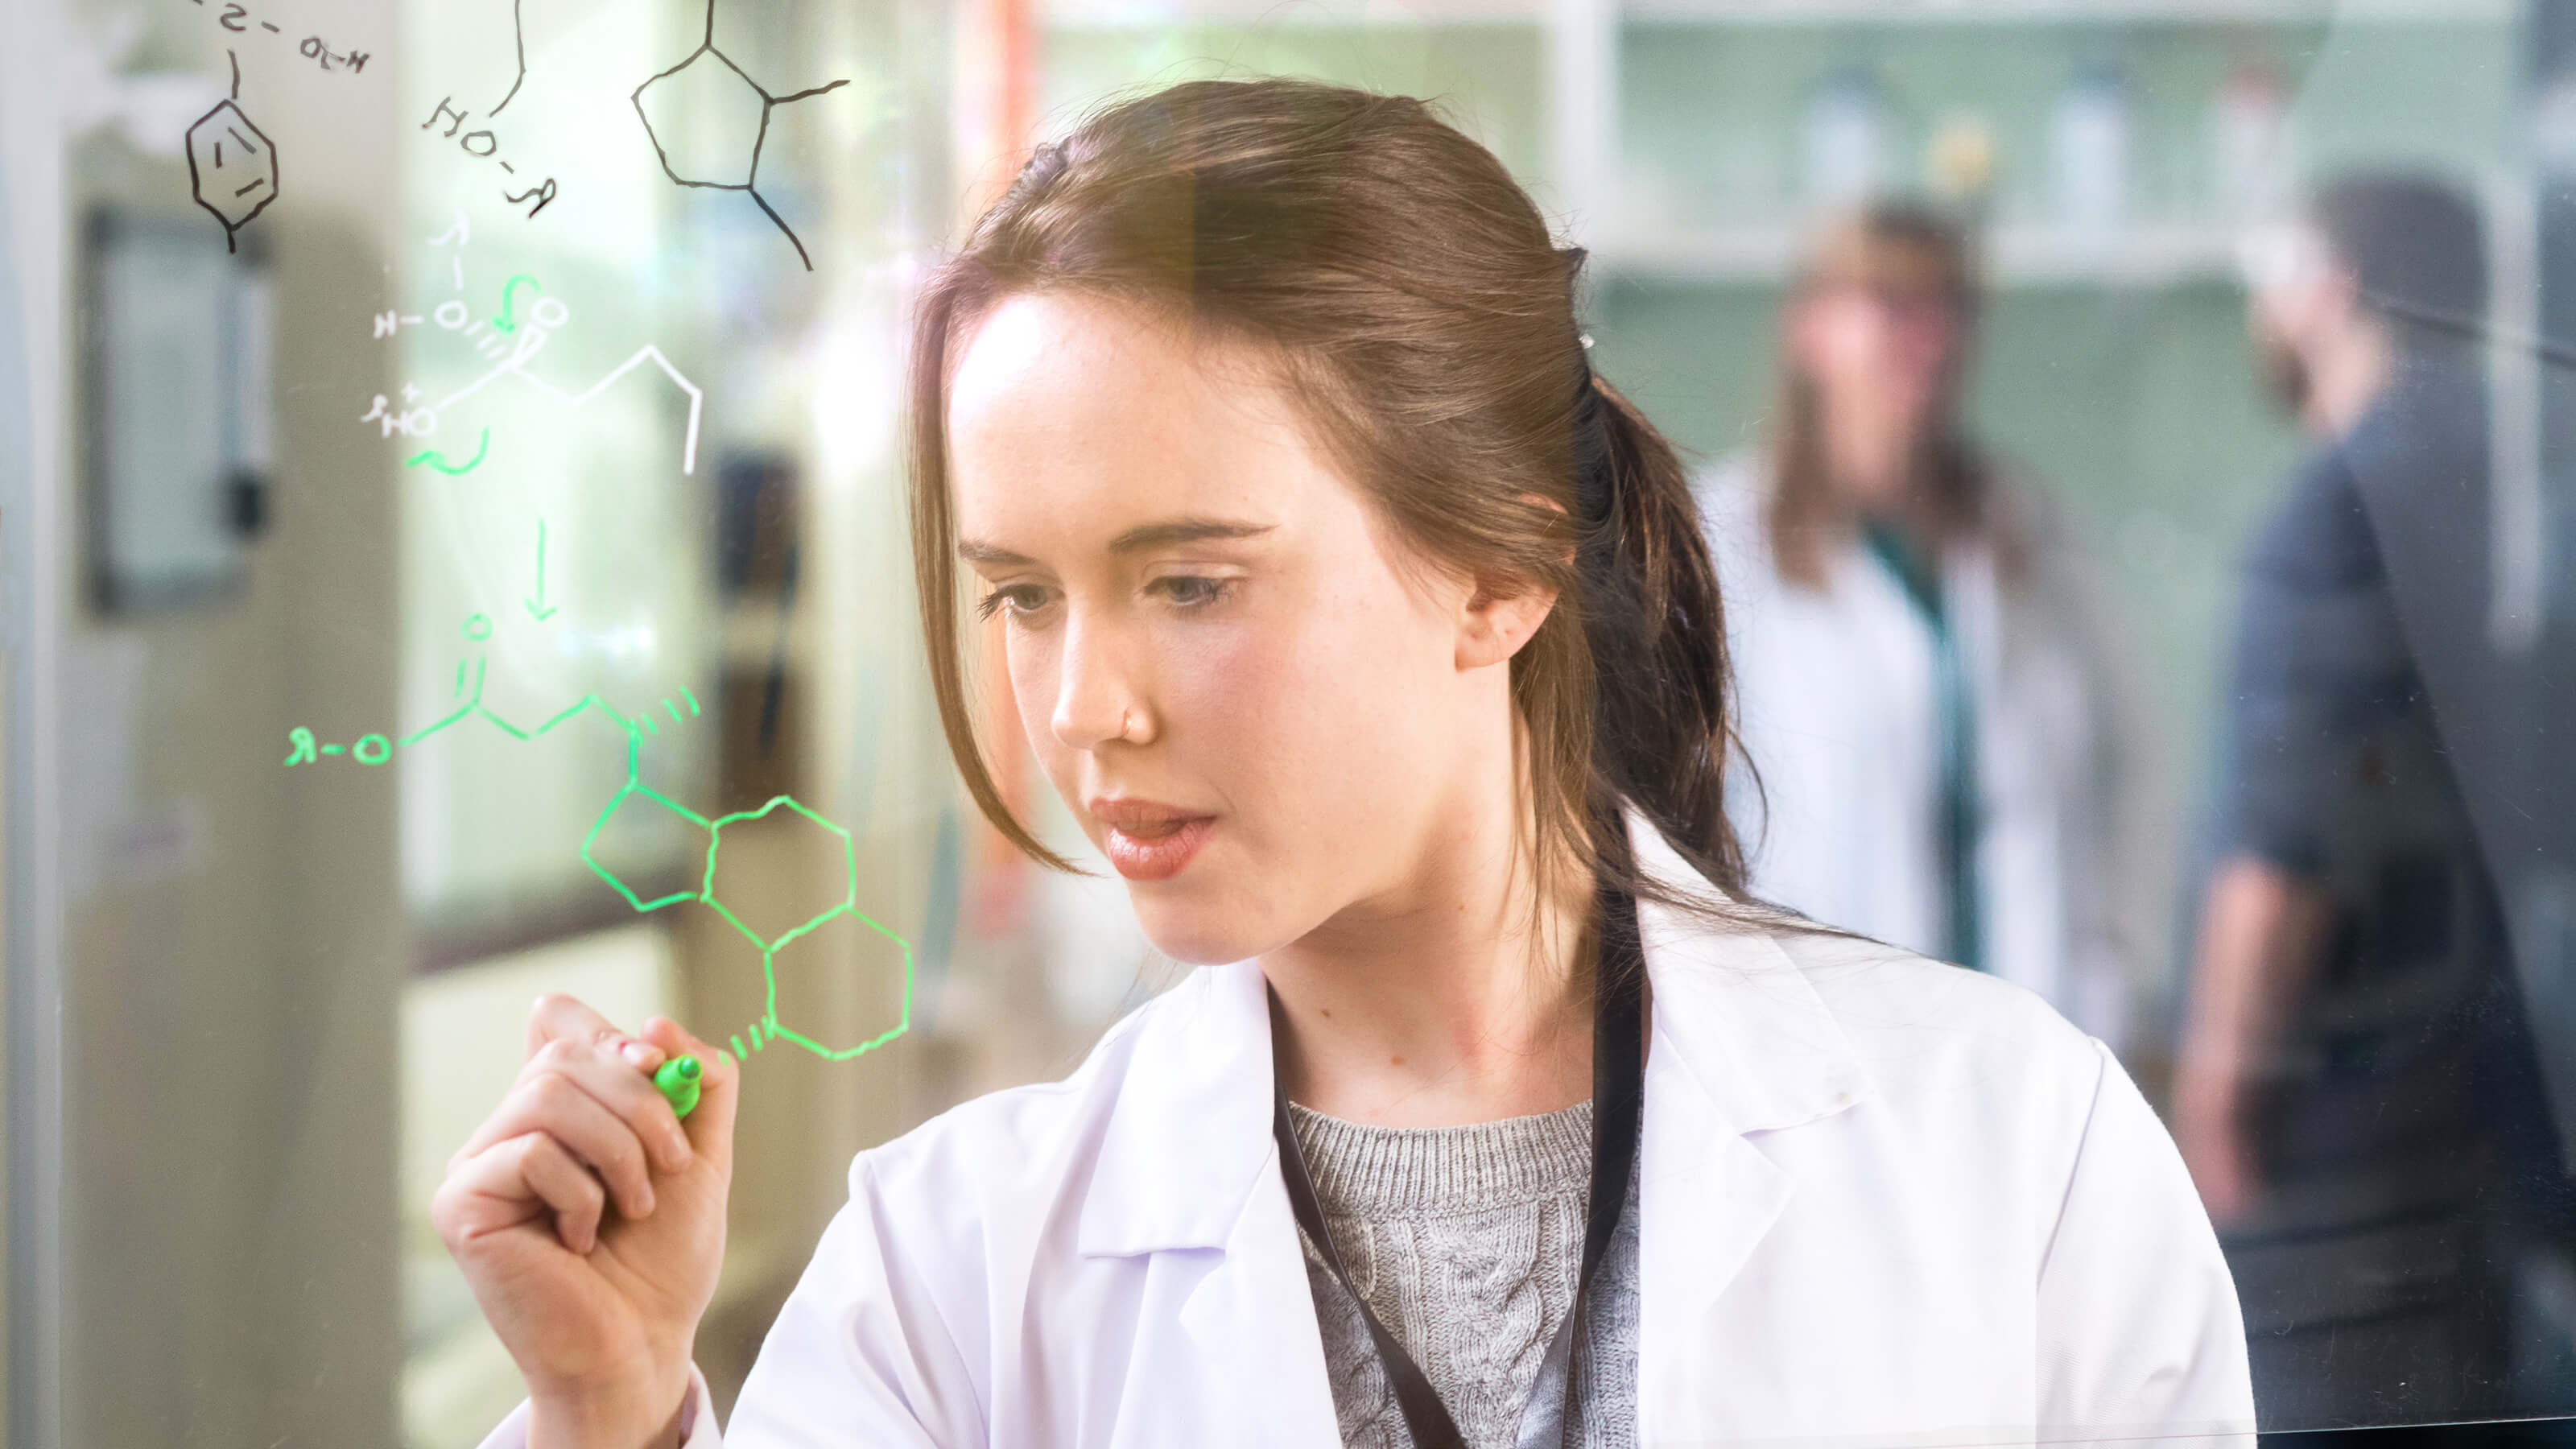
(1930, 753)
(2148, 562)
(2360, 1097)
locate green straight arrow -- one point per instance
(537, 606)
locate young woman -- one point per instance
(1373, 640)
(1944, 752)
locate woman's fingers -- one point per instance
(557, 1017)
(562, 1025)
(611, 1071)
(566, 1186)
(606, 1112)
(557, 1107)
(585, 1127)
(507, 1183)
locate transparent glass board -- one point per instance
(457, 549)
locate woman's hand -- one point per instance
(590, 1223)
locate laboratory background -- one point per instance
(451, 482)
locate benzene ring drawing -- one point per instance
(232, 165)
(728, 113)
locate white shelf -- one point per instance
(2135, 256)
(1398, 14)
(1287, 14)
(2041, 12)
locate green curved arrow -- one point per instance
(508, 320)
(438, 460)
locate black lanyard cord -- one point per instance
(1618, 1101)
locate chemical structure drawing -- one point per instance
(304, 748)
(518, 38)
(509, 339)
(484, 144)
(236, 185)
(714, 93)
(769, 1028)
(516, 366)
(239, 20)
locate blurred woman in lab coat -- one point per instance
(1931, 713)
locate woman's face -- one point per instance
(1890, 351)
(1258, 710)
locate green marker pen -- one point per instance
(678, 1083)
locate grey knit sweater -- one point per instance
(1466, 1241)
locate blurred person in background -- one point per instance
(1930, 722)
(2357, 1092)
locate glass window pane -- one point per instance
(453, 471)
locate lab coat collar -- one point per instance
(1745, 1042)
(1189, 1137)
(1740, 1044)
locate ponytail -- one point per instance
(1656, 628)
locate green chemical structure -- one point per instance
(304, 748)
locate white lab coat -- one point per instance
(1838, 714)
(1882, 1202)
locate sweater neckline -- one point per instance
(1366, 1171)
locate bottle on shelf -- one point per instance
(1845, 150)
(2089, 146)
(2253, 164)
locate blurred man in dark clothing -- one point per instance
(2358, 1095)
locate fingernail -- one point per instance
(681, 1153)
(644, 1056)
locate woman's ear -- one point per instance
(1498, 618)
(1495, 623)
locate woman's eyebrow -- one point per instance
(1184, 530)
(1144, 536)
(976, 551)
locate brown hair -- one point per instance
(1414, 302)
(1885, 244)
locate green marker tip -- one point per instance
(678, 1083)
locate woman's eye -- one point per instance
(1018, 598)
(1191, 591)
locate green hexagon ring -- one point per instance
(781, 1020)
(846, 899)
(650, 799)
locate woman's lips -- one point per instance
(1146, 841)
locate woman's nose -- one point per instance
(1095, 701)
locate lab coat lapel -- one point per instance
(1190, 1132)
(1740, 1046)
(1189, 1178)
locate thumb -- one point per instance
(710, 1126)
